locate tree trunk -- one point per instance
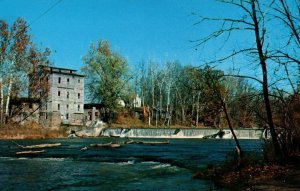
(197, 109)
(224, 107)
(153, 97)
(160, 103)
(156, 115)
(193, 109)
(263, 64)
(149, 115)
(239, 149)
(143, 99)
(8, 96)
(1, 101)
(170, 116)
(167, 117)
(182, 114)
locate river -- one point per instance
(129, 167)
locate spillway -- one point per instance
(181, 133)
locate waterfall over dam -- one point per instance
(182, 133)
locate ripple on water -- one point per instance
(161, 166)
(132, 167)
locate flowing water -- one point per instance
(181, 133)
(129, 167)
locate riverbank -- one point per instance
(262, 178)
(289, 180)
(255, 176)
(30, 131)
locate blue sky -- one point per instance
(160, 30)
(139, 30)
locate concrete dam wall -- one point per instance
(182, 133)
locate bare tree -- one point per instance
(289, 18)
(253, 20)
(153, 79)
(217, 88)
(170, 81)
(14, 44)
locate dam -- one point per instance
(184, 133)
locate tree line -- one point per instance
(171, 93)
(175, 94)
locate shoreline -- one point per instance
(255, 177)
(288, 180)
(19, 133)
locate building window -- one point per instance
(68, 80)
(68, 95)
(78, 80)
(59, 80)
(58, 106)
(67, 106)
(67, 116)
(78, 95)
(78, 107)
(58, 93)
(90, 115)
(46, 116)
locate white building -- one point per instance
(64, 99)
(137, 102)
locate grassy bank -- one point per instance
(30, 131)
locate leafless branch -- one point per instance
(217, 34)
(226, 20)
(246, 77)
(235, 53)
(288, 19)
(280, 54)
